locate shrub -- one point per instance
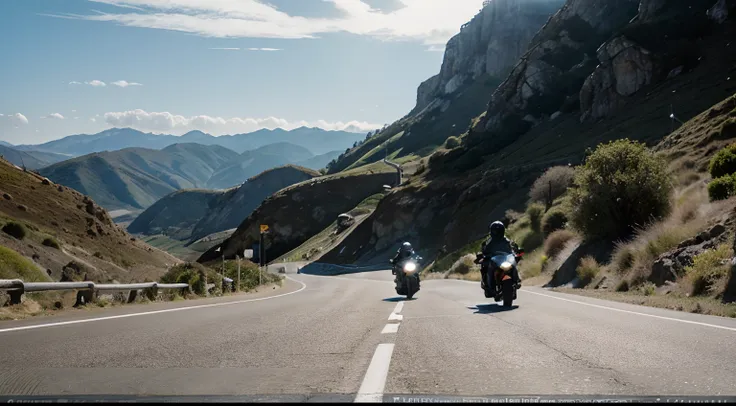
(51, 242)
(531, 240)
(708, 268)
(722, 188)
(724, 162)
(623, 258)
(622, 286)
(648, 289)
(558, 178)
(97, 254)
(535, 212)
(554, 220)
(16, 230)
(452, 142)
(587, 270)
(556, 242)
(190, 273)
(621, 186)
(464, 265)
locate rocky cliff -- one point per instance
(298, 212)
(490, 44)
(594, 54)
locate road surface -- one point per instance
(351, 338)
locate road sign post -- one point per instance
(262, 254)
(238, 257)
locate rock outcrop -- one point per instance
(625, 67)
(490, 44)
(549, 76)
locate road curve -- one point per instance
(350, 337)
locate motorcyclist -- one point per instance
(497, 242)
(404, 252)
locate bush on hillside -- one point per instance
(535, 211)
(531, 240)
(552, 184)
(708, 269)
(190, 273)
(722, 188)
(452, 142)
(15, 229)
(621, 186)
(556, 241)
(51, 242)
(587, 270)
(554, 220)
(724, 162)
(464, 265)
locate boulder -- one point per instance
(625, 67)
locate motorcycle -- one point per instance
(501, 266)
(407, 275)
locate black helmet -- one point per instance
(406, 246)
(497, 229)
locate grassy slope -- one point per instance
(230, 209)
(136, 178)
(48, 211)
(298, 212)
(422, 134)
(176, 214)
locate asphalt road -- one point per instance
(350, 337)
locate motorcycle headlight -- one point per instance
(506, 266)
(410, 267)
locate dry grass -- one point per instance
(587, 270)
(710, 270)
(701, 305)
(691, 214)
(464, 265)
(556, 241)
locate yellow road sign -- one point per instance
(264, 228)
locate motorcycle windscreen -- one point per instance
(501, 258)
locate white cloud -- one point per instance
(92, 120)
(436, 48)
(227, 49)
(55, 116)
(74, 111)
(264, 49)
(76, 118)
(16, 118)
(178, 124)
(123, 83)
(74, 82)
(96, 83)
(417, 20)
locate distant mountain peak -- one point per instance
(196, 133)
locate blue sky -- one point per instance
(221, 66)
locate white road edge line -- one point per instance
(122, 316)
(399, 307)
(632, 312)
(390, 328)
(371, 390)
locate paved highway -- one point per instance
(350, 337)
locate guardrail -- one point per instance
(87, 290)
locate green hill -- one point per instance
(135, 178)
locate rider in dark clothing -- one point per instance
(497, 242)
(406, 251)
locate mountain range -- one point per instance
(317, 140)
(29, 159)
(135, 178)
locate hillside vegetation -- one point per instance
(135, 178)
(188, 215)
(296, 213)
(53, 226)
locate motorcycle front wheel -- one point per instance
(508, 293)
(410, 287)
